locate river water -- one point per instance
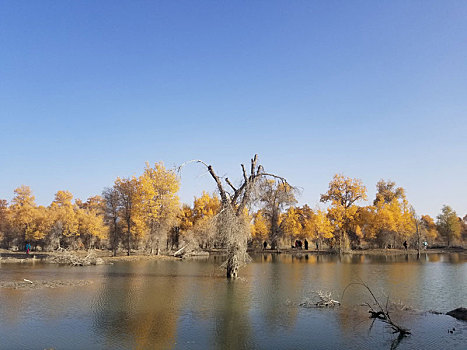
(191, 305)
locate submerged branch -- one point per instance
(380, 312)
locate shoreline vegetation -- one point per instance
(106, 257)
(143, 216)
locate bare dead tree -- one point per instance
(232, 225)
(380, 312)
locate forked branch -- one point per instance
(380, 312)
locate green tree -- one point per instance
(448, 224)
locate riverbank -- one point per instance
(363, 251)
(105, 256)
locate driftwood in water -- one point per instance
(325, 300)
(380, 312)
(322, 299)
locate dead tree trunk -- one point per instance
(231, 223)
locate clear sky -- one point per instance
(90, 90)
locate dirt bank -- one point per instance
(39, 284)
(63, 257)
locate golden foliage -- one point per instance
(23, 212)
(205, 207)
(344, 191)
(186, 218)
(290, 223)
(430, 227)
(63, 214)
(158, 189)
(148, 207)
(260, 229)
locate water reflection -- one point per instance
(189, 304)
(139, 305)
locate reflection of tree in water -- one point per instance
(232, 323)
(279, 284)
(137, 309)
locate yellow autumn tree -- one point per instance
(64, 220)
(260, 229)
(22, 213)
(6, 234)
(315, 225)
(41, 225)
(290, 224)
(205, 208)
(161, 204)
(343, 193)
(185, 218)
(91, 226)
(429, 227)
(393, 221)
(322, 227)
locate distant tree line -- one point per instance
(145, 213)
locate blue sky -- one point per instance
(92, 90)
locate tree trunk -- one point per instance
(129, 237)
(232, 265)
(233, 232)
(343, 242)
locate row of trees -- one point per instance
(144, 212)
(137, 212)
(388, 222)
(58, 224)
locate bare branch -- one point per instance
(259, 170)
(219, 185)
(245, 177)
(179, 169)
(238, 193)
(283, 180)
(253, 164)
(230, 184)
(381, 312)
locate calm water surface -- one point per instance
(190, 305)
